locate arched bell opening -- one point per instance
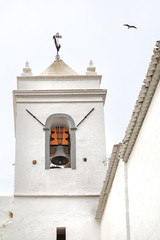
(60, 154)
(60, 142)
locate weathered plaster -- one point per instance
(6, 211)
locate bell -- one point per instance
(60, 157)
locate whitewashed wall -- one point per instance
(47, 199)
(144, 177)
(38, 218)
(133, 207)
(30, 145)
(113, 224)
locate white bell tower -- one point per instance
(60, 148)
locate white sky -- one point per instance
(91, 29)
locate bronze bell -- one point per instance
(60, 157)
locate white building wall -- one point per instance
(132, 211)
(38, 218)
(47, 199)
(30, 145)
(144, 177)
(113, 223)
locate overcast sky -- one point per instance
(91, 29)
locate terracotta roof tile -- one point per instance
(142, 104)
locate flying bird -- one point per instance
(129, 26)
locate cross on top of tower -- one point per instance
(58, 46)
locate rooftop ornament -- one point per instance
(91, 70)
(27, 71)
(58, 46)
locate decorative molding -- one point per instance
(27, 101)
(54, 195)
(65, 78)
(36, 95)
(64, 96)
(59, 91)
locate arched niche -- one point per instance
(55, 121)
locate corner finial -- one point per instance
(58, 46)
(91, 70)
(91, 63)
(27, 71)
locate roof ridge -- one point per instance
(142, 104)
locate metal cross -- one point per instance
(58, 46)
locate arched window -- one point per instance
(60, 142)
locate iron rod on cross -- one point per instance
(58, 46)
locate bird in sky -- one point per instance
(129, 26)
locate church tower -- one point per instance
(60, 148)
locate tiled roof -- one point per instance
(142, 104)
(113, 163)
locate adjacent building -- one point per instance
(129, 205)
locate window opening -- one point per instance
(60, 148)
(61, 233)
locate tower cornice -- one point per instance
(58, 82)
(65, 95)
